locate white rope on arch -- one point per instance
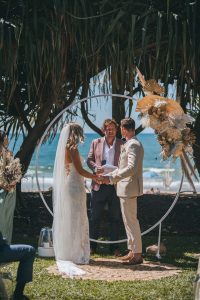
(40, 191)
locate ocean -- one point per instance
(164, 175)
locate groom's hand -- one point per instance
(101, 179)
(98, 179)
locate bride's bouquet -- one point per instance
(10, 171)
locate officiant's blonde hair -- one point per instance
(76, 136)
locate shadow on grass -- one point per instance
(181, 250)
(152, 266)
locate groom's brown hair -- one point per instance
(128, 124)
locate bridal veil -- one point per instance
(63, 210)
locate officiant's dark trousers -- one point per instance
(24, 254)
(105, 195)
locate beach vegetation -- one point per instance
(50, 50)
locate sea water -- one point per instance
(164, 175)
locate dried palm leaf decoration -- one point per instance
(150, 86)
(169, 122)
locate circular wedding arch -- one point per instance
(158, 223)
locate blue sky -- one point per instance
(103, 110)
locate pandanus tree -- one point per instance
(51, 49)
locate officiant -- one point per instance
(103, 156)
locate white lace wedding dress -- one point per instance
(70, 223)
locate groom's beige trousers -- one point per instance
(131, 223)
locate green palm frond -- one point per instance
(49, 48)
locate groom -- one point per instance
(128, 178)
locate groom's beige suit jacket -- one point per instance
(128, 176)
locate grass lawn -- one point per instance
(181, 252)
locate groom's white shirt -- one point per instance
(128, 175)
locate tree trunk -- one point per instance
(44, 118)
(118, 110)
(29, 144)
(118, 104)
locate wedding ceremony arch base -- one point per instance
(157, 224)
(112, 270)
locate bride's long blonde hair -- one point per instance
(76, 136)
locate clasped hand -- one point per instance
(101, 179)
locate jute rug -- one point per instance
(112, 270)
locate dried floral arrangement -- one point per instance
(169, 122)
(10, 170)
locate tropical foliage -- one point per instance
(49, 50)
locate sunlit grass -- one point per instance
(181, 252)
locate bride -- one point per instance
(70, 223)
